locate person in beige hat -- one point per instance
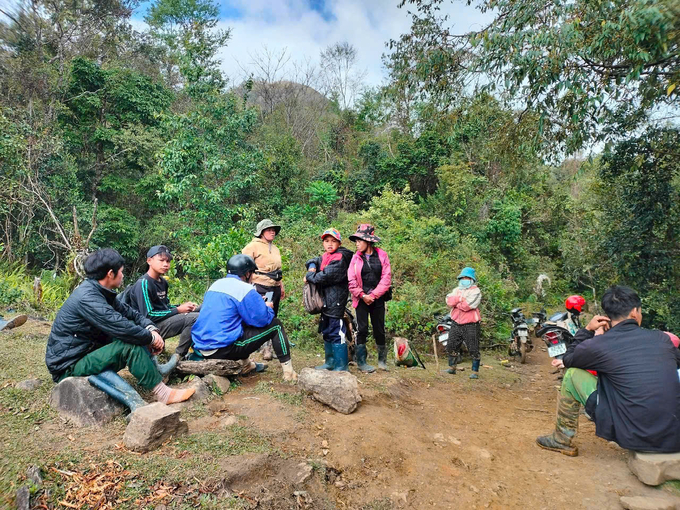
(268, 279)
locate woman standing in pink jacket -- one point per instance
(370, 279)
(464, 301)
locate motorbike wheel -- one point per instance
(522, 352)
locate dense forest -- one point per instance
(543, 143)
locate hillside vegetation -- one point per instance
(529, 147)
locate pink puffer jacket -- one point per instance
(356, 286)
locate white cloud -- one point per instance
(304, 32)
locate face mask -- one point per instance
(465, 284)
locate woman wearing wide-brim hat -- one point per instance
(464, 302)
(370, 281)
(268, 278)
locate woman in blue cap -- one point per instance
(464, 302)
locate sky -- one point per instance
(305, 27)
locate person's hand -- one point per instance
(557, 363)
(597, 322)
(368, 299)
(270, 304)
(186, 307)
(599, 331)
(157, 344)
(311, 269)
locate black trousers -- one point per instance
(376, 311)
(179, 324)
(253, 338)
(468, 333)
(276, 298)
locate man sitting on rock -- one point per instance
(635, 399)
(96, 335)
(149, 295)
(235, 321)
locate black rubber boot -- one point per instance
(475, 369)
(382, 358)
(566, 427)
(453, 361)
(361, 353)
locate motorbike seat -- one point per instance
(559, 316)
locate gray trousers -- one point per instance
(179, 324)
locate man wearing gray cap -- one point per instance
(149, 295)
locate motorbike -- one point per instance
(443, 327)
(558, 330)
(521, 342)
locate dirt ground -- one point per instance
(419, 439)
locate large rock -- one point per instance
(648, 503)
(23, 498)
(76, 400)
(338, 390)
(655, 468)
(150, 426)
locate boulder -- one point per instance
(647, 503)
(152, 425)
(28, 384)
(338, 390)
(655, 468)
(201, 394)
(76, 400)
(220, 382)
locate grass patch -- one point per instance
(237, 441)
(293, 399)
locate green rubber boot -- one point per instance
(453, 361)
(566, 427)
(361, 354)
(330, 360)
(382, 358)
(341, 357)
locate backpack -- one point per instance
(312, 298)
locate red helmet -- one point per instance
(574, 304)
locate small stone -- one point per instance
(438, 438)
(474, 489)
(325, 451)
(338, 390)
(229, 421)
(217, 381)
(305, 472)
(150, 426)
(28, 384)
(80, 403)
(33, 474)
(455, 441)
(23, 498)
(655, 468)
(647, 503)
(484, 454)
(324, 443)
(400, 497)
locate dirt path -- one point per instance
(419, 439)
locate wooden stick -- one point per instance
(434, 344)
(218, 367)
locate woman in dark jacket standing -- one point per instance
(329, 272)
(370, 279)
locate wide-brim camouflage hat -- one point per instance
(365, 232)
(264, 225)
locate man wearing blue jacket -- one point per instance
(235, 321)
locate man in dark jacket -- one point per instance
(329, 274)
(635, 398)
(149, 295)
(94, 332)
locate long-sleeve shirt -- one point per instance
(464, 304)
(150, 297)
(229, 303)
(638, 387)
